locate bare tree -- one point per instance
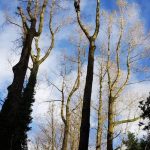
(66, 118)
(9, 112)
(28, 93)
(116, 84)
(85, 121)
(102, 73)
(50, 135)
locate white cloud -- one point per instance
(7, 35)
(51, 68)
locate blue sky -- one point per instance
(144, 8)
(143, 4)
(107, 4)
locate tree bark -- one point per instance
(100, 120)
(85, 121)
(25, 110)
(66, 136)
(9, 110)
(67, 128)
(110, 131)
(53, 128)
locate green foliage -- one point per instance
(133, 143)
(145, 107)
(26, 108)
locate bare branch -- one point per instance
(77, 82)
(97, 20)
(126, 121)
(42, 17)
(36, 8)
(50, 83)
(12, 22)
(62, 104)
(52, 34)
(108, 57)
(53, 100)
(128, 74)
(117, 53)
(146, 80)
(77, 106)
(86, 32)
(29, 9)
(23, 17)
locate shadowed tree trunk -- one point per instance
(110, 124)
(8, 114)
(85, 120)
(25, 108)
(28, 93)
(10, 110)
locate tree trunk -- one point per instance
(100, 120)
(73, 142)
(25, 110)
(67, 128)
(85, 121)
(110, 124)
(65, 139)
(9, 111)
(24, 113)
(53, 128)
